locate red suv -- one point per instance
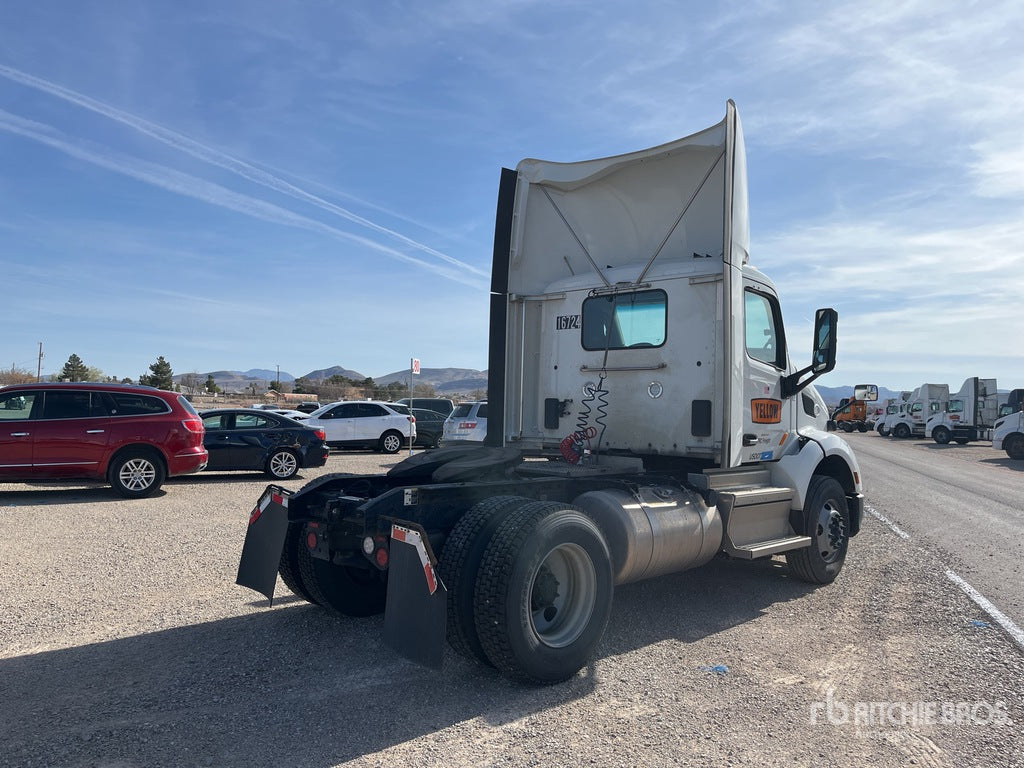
(132, 437)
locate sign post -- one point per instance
(414, 370)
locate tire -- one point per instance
(862, 427)
(883, 430)
(827, 522)
(341, 590)
(288, 568)
(460, 563)
(941, 435)
(438, 441)
(902, 431)
(846, 426)
(543, 593)
(1014, 446)
(282, 464)
(390, 442)
(136, 473)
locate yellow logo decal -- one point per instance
(765, 411)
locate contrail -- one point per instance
(215, 157)
(208, 192)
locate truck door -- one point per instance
(768, 418)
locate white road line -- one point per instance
(887, 522)
(983, 602)
(1004, 621)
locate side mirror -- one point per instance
(824, 355)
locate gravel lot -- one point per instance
(125, 642)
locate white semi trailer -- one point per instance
(645, 415)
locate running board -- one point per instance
(769, 548)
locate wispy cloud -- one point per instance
(223, 160)
(208, 192)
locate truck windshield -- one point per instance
(955, 406)
(625, 320)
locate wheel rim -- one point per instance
(283, 464)
(563, 595)
(830, 537)
(392, 443)
(137, 474)
(941, 436)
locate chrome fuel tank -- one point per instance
(655, 531)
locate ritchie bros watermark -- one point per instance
(866, 715)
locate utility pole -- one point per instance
(39, 365)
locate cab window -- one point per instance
(763, 335)
(625, 320)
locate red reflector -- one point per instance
(311, 540)
(381, 556)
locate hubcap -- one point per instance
(563, 595)
(830, 536)
(137, 474)
(391, 443)
(282, 464)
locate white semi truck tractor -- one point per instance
(969, 414)
(645, 417)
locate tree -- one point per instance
(190, 383)
(74, 370)
(16, 376)
(161, 376)
(211, 385)
(92, 373)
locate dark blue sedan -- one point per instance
(245, 439)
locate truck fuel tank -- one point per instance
(654, 531)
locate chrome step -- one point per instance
(768, 548)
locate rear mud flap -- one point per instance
(264, 540)
(417, 605)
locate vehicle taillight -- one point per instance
(193, 425)
(412, 419)
(467, 425)
(320, 433)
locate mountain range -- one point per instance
(443, 380)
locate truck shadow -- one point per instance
(293, 686)
(1005, 461)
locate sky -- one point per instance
(239, 185)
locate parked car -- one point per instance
(295, 415)
(132, 437)
(261, 441)
(467, 422)
(429, 427)
(307, 407)
(365, 424)
(441, 405)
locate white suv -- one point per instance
(365, 424)
(467, 422)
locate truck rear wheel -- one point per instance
(460, 562)
(343, 590)
(288, 568)
(827, 522)
(544, 592)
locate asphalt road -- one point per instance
(124, 643)
(963, 502)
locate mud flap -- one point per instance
(264, 540)
(417, 605)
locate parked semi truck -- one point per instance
(925, 401)
(968, 415)
(853, 412)
(645, 416)
(1008, 431)
(893, 408)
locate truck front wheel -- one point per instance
(1014, 446)
(902, 431)
(941, 435)
(827, 522)
(544, 592)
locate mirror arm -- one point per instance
(791, 384)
